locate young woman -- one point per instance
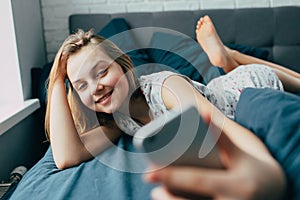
(105, 99)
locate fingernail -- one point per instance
(151, 177)
(155, 194)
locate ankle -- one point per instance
(232, 53)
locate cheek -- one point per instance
(86, 100)
(122, 83)
(117, 80)
(121, 88)
(113, 80)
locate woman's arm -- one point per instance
(68, 147)
(249, 165)
(244, 178)
(177, 92)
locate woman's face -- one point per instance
(99, 81)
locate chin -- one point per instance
(114, 108)
(109, 109)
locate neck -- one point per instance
(137, 108)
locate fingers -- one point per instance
(161, 193)
(201, 181)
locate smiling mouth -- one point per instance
(102, 99)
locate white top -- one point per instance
(223, 92)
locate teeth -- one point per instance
(105, 97)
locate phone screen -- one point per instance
(179, 138)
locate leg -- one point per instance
(243, 59)
(213, 46)
(226, 90)
(220, 55)
(290, 79)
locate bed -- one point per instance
(167, 39)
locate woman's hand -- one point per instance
(62, 69)
(245, 177)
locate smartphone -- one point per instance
(180, 137)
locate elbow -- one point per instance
(61, 165)
(65, 162)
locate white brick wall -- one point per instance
(55, 12)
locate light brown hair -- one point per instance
(73, 44)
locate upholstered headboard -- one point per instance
(276, 29)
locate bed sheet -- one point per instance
(89, 180)
(276, 121)
(278, 127)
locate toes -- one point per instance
(199, 23)
(206, 19)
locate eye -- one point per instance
(102, 73)
(81, 86)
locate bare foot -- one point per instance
(209, 40)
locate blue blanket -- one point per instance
(89, 180)
(278, 126)
(274, 116)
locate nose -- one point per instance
(98, 87)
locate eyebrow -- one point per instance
(93, 68)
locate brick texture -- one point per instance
(55, 12)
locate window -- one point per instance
(12, 106)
